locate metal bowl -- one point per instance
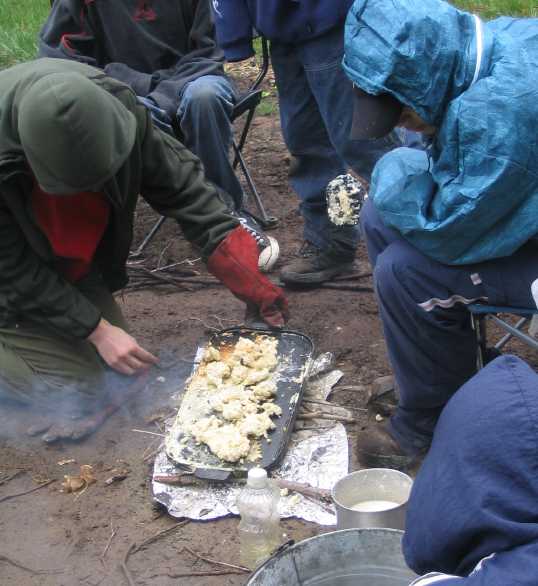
(354, 557)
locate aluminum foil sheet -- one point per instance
(318, 457)
(319, 460)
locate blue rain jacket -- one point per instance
(475, 499)
(474, 197)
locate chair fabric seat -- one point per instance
(481, 308)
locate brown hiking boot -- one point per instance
(378, 449)
(313, 267)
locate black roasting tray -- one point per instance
(295, 352)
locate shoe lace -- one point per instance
(260, 240)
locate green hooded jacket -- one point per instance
(75, 130)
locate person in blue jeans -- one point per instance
(457, 224)
(315, 100)
(166, 51)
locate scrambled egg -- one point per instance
(242, 398)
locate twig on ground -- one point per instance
(344, 287)
(151, 454)
(113, 532)
(11, 477)
(16, 564)
(192, 318)
(134, 548)
(329, 404)
(148, 432)
(328, 416)
(312, 428)
(191, 480)
(17, 494)
(212, 561)
(163, 252)
(198, 573)
(348, 388)
(352, 277)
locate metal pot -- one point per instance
(354, 557)
(372, 486)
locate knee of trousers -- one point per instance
(394, 274)
(202, 97)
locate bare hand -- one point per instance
(120, 350)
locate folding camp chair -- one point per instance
(479, 312)
(247, 104)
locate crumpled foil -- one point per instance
(315, 457)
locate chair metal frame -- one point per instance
(246, 105)
(479, 312)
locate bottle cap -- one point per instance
(257, 478)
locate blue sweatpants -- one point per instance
(430, 342)
(316, 108)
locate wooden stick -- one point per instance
(191, 480)
(11, 476)
(148, 432)
(134, 548)
(16, 564)
(352, 277)
(17, 494)
(328, 404)
(328, 416)
(212, 561)
(343, 287)
(107, 546)
(199, 573)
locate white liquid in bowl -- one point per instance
(374, 506)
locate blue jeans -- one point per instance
(316, 109)
(204, 112)
(422, 305)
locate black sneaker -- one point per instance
(268, 246)
(376, 448)
(314, 266)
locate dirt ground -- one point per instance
(82, 538)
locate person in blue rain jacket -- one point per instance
(307, 39)
(458, 223)
(472, 518)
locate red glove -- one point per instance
(235, 263)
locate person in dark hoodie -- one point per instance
(455, 225)
(315, 99)
(166, 51)
(472, 518)
(76, 150)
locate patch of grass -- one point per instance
(493, 8)
(20, 21)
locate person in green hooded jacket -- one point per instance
(76, 150)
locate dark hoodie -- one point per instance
(155, 46)
(75, 129)
(476, 495)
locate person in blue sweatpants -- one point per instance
(315, 99)
(457, 223)
(471, 517)
(430, 341)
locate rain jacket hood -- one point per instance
(477, 490)
(474, 196)
(425, 57)
(74, 135)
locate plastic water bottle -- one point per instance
(259, 528)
